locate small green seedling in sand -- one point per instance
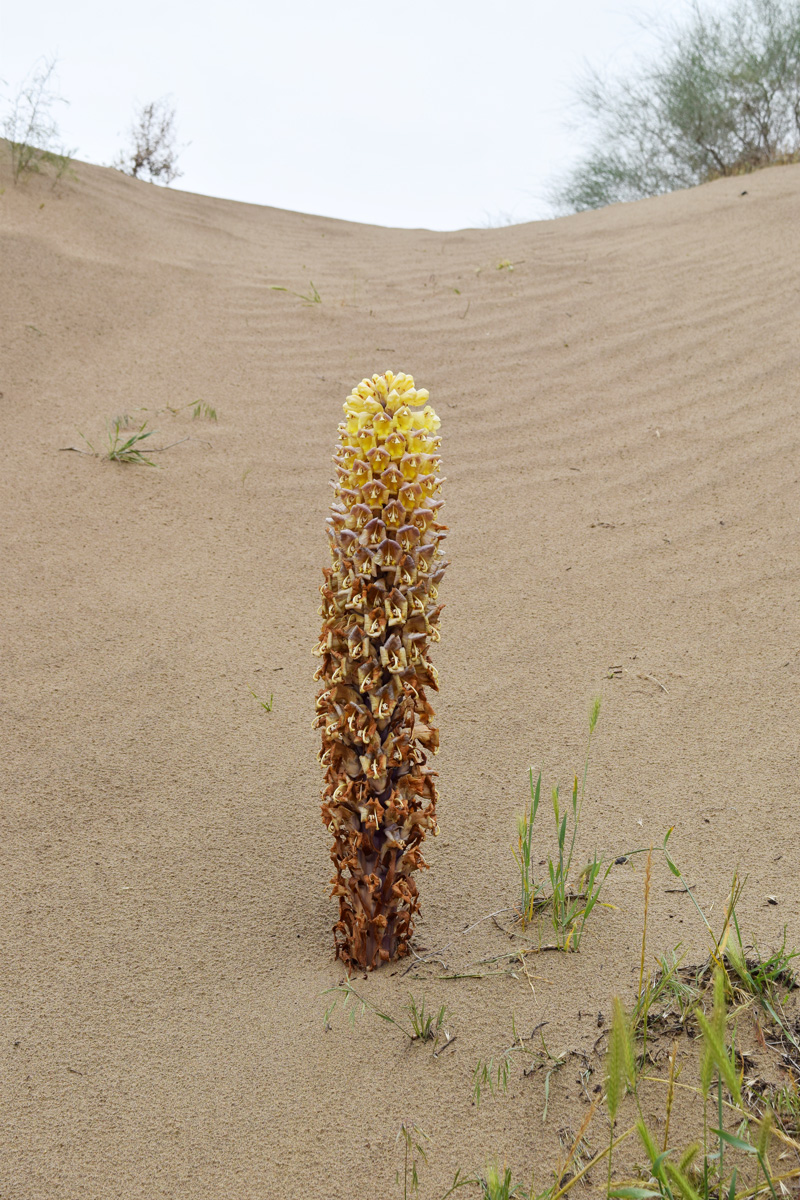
(310, 297)
(423, 1026)
(201, 409)
(124, 420)
(124, 446)
(497, 1184)
(265, 704)
(490, 1076)
(554, 1063)
(749, 977)
(426, 1025)
(413, 1140)
(667, 992)
(786, 1108)
(570, 904)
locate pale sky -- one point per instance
(434, 113)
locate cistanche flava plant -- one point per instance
(380, 613)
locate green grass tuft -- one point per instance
(569, 901)
(312, 296)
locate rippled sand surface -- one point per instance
(620, 432)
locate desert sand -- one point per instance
(620, 424)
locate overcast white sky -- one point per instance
(435, 113)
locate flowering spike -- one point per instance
(379, 615)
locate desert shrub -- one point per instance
(31, 128)
(153, 149)
(721, 97)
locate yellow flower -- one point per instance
(395, 443)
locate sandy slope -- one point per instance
(621, 436)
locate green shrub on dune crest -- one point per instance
(723, 97)
(31, 128)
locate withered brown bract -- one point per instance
(379, 615)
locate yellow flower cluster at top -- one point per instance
(387, 447)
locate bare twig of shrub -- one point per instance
(153, 149)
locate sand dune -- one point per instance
(620, 439)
